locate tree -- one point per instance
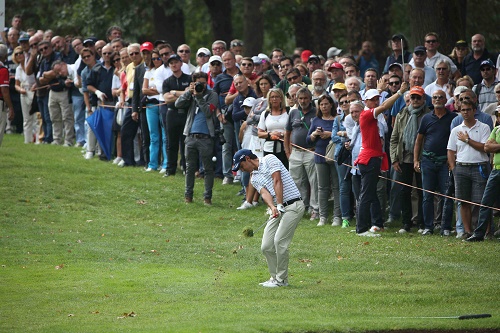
(220, 11)
(168, 18)
(253, 27)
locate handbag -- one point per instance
(330, 152)
(344, 155)
(34, 105)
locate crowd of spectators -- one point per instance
(172, 116)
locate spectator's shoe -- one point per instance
(427, 232)
(117, 160)
(241, 192)
(460, 235)
(188, 200)
(345, 224)
(402, 231)
(207, 202)
(420, 230)
(89, 155)
(227, 181)
(168, 174)
(474, 238)
(368, 234)
(376, 229)
(275, 284)
(322, 221)
(148, 170)
(255, 203)
(466, 235)
(245, 205)
(162, 171)
(314, 216)
(337, 221)
(121, 164)
(446, 233)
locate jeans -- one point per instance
(237, 126)
(153, 118)
(491, 193)
(406, 177)
(345, 185)
(195, 148)
(43, 106)
(175, 128)
(164, 139)
(368, 194)
(79, 115)
(227, 149)
(434, 177)
(328, 180)
(128, 131)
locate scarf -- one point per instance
(410, 131)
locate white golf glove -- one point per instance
(100, 95)
(280, 208)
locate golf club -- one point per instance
(462, 317)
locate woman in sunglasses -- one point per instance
(24, 85)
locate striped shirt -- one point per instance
(262, 178)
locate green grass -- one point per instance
(84, 242)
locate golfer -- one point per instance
(273, 181)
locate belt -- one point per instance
(496, 167)
(199, 136)
(471, 164)
(289, 202)
(302, 149)
(179, 111)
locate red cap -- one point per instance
(305, 55)
(417, 90)
(336, 65)
(148, 46)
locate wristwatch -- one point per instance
(467, 141)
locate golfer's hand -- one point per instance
(274, 212)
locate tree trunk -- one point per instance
(303, 19)
(168, 23)
(446, 18)
(220, 13)
(253, 27)
(365, 25)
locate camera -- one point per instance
(219, 134)
(199, 87)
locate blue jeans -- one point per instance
(79, 114)
(434, 177)
(227, 150)
(491, 193)
(153, 118)
(43, 106)
(164, 139)
(345, 185)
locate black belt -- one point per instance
(289, 202)
(471, 164)
(199, 136)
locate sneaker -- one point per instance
(466, 235)
(474, 238)
(117, 160)
(168, 174)
(376, 229)
(237, 178)
(275, 284)
(67, 144)
(314, 216)
(427, 232)
(322, 221)
(80, 144)
(368, 234)
(255, 203)
(148, 170)
(268, 281)
(162, 171)
(446, 233)
(402, 231)
(460, 235)
(241, 192)
(345, 224)
(337, 221)
(89, 155)
(420, 230)
(245, 205)
(227, 181)
(121, 164)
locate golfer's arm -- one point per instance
(278, 186)
(388, 103)
(267, 197)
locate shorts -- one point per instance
(470, 182)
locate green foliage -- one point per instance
(90, 247)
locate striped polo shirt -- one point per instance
(262, 177)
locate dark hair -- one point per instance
(371, 69)
(263, 77)
(86, 49)
(113, 27)
(293, 70)
(247, 59)
(284, 58)
(395, 76)
(199, 75)
(468, 102)
(356, 93)
(330, 100)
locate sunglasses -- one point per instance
(184, 51)
(394, 83)
(18, 53)
(116, 60)
(441, 69)
(247, 64)
(86, 57)
(236, 44)
(344, 102)
(216, 64)
(34, 45)
(415, 97)
(293, 78)
(133, 54)
(437, 97)
(202, 55)
(166, 54)
(486, 69)
(461, 99)
(107, 53)
(218, 48)
(156, 59)
(419, 53)
(43, 48)
(430, 41)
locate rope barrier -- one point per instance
(398, 182)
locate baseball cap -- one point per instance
(487, 62)
(396, 64)
(313, 57)
(339, 86)
(305, 55)
(458, 90)
(240, 156)
(89, 40)
(263, 56)
(215, 58)
(336, 65)
(174, 56)
(257, 60)
(204, 51)
(159, 41)
(24, 38)
(371, 93)
(419, 48)
(249, 101)
(397, 36)
(148, 46)
(461, 43)
(332, 52)
(417, 90)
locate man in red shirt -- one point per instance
(6, 108)
(371, 157)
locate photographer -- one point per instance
(199, 130)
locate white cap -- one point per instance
(371, 94)
(249, 101)
(263, 56)
(458, 90)
(215, 58)
(203, 50)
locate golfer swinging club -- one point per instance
(273, 181)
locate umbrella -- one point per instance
(101, 122)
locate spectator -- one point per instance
(443, 72)
(485, 90)
(24, 85)
(398, 52)
(7, 109)
(472, 62)
(366, 58)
